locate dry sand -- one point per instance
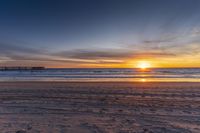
(99, 107)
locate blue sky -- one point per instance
(98, 33)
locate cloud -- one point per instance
(10, 51)
(175, 45)
(158, 48)
(109, 54)
(93, 54)
(19, 54)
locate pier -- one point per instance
(20, 68)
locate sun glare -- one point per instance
(143, 80)
(143, 65)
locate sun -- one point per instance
(143, 64)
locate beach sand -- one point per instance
(56, 107)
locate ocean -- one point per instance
(104, 75)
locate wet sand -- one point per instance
(44, 107)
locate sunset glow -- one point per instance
(100, 66)
(143, 65)
(90, 35)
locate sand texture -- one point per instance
(99, 107)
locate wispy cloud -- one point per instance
(110, 54)
(177, 45)
(165, 47)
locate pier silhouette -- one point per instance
(16, 68)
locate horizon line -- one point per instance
(120, 68)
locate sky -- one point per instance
(100, 33)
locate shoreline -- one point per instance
(101, 82)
